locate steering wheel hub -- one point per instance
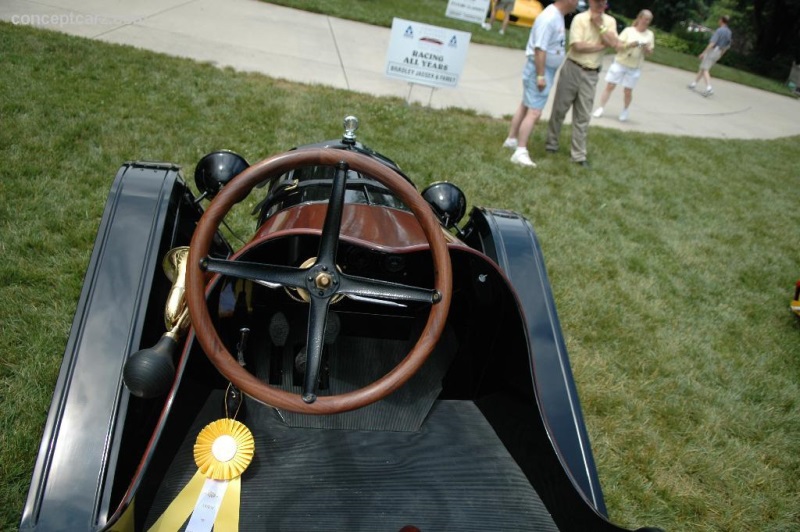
(320, 281)
(324, 280)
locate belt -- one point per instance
(587, 69)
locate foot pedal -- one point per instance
(278, 334)
(278, 329)
(332, 328)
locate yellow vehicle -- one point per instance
(523, 14)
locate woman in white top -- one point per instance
(636, 41)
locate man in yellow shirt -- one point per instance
(590, 34)
(636, 41)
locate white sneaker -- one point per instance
(522, 158)
(623, 116)
(510, 143)
(708, 92)
(691, 85)
(598, 112)
(502, 32)
(486, 26)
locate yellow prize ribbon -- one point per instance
(222, 452)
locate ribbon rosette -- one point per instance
(224, 449)
(222, 452)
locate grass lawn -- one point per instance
(672, 261)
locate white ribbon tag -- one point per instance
(208, 504)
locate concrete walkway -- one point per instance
(250, 35)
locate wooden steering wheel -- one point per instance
(322, 280)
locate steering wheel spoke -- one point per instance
(329, 242)
(267, 273)
(376, 289)
(315, 342)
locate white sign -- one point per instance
(468, 10)
(427, 55)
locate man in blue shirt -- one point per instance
(717, 46)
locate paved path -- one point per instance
(250, 35)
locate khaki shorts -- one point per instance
(711, 58)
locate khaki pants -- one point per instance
(575, 89)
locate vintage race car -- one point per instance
(367, 360)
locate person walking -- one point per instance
(636, 41)
(591, 33)
(719, 43)
(507, 6)
(545, 52)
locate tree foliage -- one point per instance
(665, 14)
(774, 27)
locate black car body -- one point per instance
(485, 433)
